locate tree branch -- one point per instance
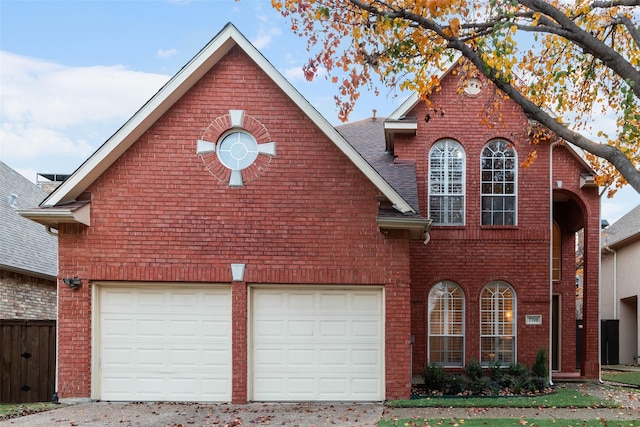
(633, 30)
(621, 162)
(589, 43)
(609, 4)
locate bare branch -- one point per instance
(633, 30)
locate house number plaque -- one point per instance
(533, 319)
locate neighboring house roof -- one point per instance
(171, 92)
(25, 246)
(624, 231)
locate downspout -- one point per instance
(550, 355)
(54, 397)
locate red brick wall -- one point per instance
(473, 255)
(157, 214)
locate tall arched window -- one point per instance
(446, 324)
(446, 183)
(498, 323)
(499, 173)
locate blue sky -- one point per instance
(72, 72)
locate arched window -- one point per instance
(446, 324)
(499, 170)
(498, 324)
(446, 183)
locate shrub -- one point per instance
(518, 371)
(473, 369)
(537, 383)
(435, 377)
(457, 384)
(480, 385)
(496, 372)
(539, 367)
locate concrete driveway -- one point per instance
(195, 414)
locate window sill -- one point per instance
(499, 227)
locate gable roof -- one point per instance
(172, 91)
(398, 121)
(624, 231)
(25, 246)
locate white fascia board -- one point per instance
(144, 118)
(53, 217)
(414, 99)
(325, 126)
(579, 154)
(401, 126)
(173, 90)
(405, 107)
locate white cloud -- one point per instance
(54, 116)
(296, 74)
(164, 54)
(264, 36)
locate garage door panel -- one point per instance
(165, 344)
(311, 345)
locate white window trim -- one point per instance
(514, 316)
(464, 325)
(464, 183)
(515, 183)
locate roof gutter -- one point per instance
(418, 228)
(52, 217)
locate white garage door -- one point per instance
(161, 343)
(317, 344)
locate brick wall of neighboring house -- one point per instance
(159, 215)
(26, 297)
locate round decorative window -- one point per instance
(237, 150)
(242, 150)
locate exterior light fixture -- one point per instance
(74, 283)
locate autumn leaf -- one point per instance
(562, 75)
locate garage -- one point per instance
(317, 344)
(163, 343)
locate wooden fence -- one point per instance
(27, 360)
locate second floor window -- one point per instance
(499, 168)
(446, 183)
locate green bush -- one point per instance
(496, 372)
(536, 383)
(457, 384)
(473, 369)
(480, 385)
(435, 377)
(518, 371)
(539, 367)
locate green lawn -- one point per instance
(13, 410)
(562, 398)
(503, 422)
(632, 378)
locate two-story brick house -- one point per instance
(229, 244)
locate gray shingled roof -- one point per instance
(367, 136)
(626, 227)
(25, 246)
